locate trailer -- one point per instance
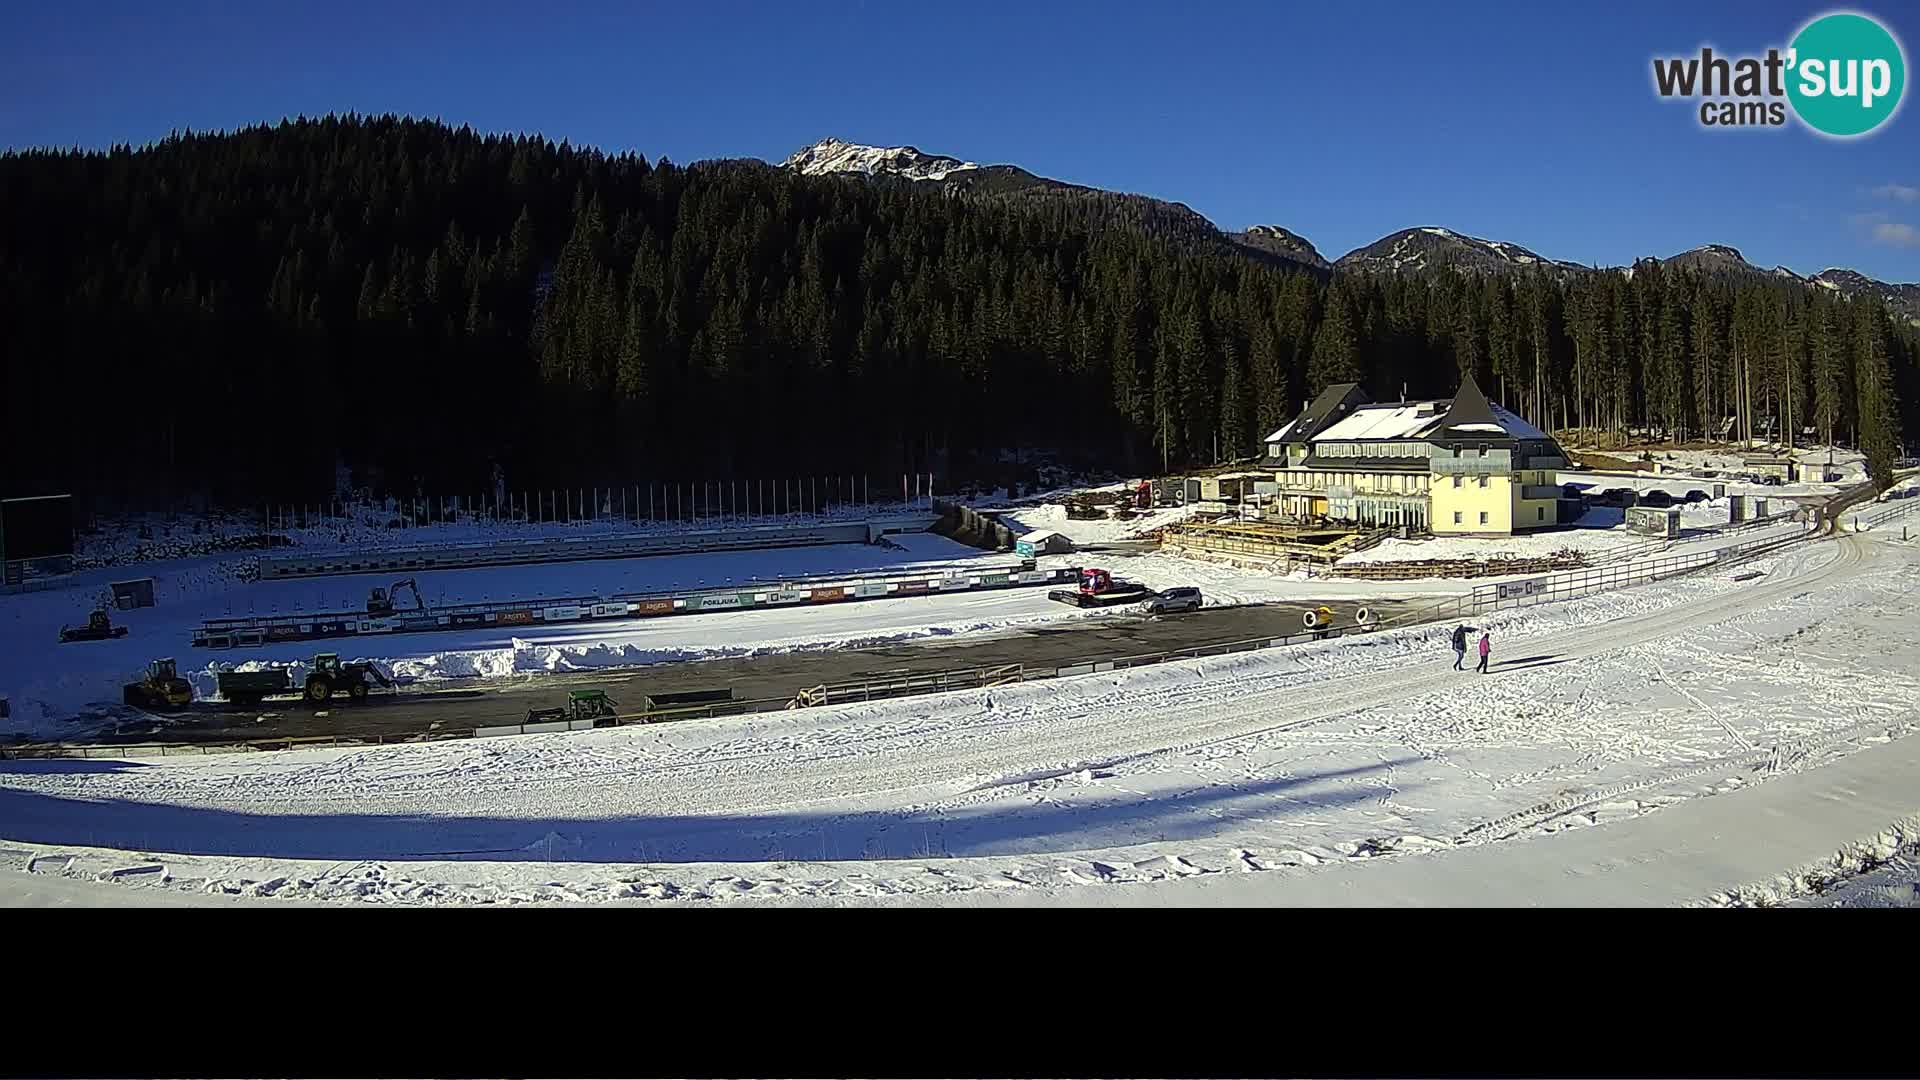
(252, 687)
(326, 677)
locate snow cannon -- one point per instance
(1366, 616)
(1317, 618)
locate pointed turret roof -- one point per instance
(1471, 407)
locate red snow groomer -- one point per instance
(1098, 588)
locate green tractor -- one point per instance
(329, 677)
(592, 705)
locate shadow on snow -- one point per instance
(1058, 815)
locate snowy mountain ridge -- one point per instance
(837, 156)
(1414, 250)
(1283, 243)
(1430, 247)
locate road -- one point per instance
(458, 705)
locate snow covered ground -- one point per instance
(47, 681)
(1677, 467)
(1597, 710)
(1054, 517)
(56, 689)
(50, 683)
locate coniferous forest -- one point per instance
(235, 315)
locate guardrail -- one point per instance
(1572, 584)
(1642, 548)
(1862, 522)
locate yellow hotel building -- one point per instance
(1459, 467)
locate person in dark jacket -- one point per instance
(1486, 650)
(1460, 646)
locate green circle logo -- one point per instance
(1846, 74)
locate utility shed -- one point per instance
(1746, 508)
(1654, 520)
(1044, 542)
(137, 593)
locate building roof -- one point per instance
(1333, 403)
(1282, 433)
(1372, 422)
(1512, 424)
(1467, 415)
(1470, 410)
(1040, 537)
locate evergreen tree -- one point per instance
(1879, 421)
(1335, 356)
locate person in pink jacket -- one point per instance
(1486, 649)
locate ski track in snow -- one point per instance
(1597, 709)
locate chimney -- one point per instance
(1403, 393)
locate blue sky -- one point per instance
(1529, 122)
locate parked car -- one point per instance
(1184, 598)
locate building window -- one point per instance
(1456, 480)
(1483, 517)
(1539, 513)
(1483, 480)
(1456, 517)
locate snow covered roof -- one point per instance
(1380, 422)
(1282, 433)
(1516, 427)
(1039, 537)
(1418, 420)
